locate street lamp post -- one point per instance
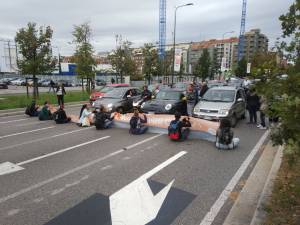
(174, 40)
(59, 62)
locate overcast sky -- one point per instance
(137, 20)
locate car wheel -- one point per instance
(233, 120)
(120, 110)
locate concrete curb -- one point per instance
(20, 111)
(248, 208)
(260, 213)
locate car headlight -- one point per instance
(196, 110)
(143, 105)
(224, 112)
(168, 107)
(110, 105)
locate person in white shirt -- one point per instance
(84, 116)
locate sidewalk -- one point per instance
(249, 207)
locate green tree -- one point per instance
(264, 63)
(202, 68)
(151, 63)
(241, 70)
(83, 57)
(122, 61)
(35, 47)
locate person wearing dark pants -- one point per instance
(137, 126)
(252, 106)
(60, 92)
(103, 119)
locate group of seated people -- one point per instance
(178, 130)
(59, 116)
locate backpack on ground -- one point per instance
(173, 130)
(226, 136)
(133, 123)
(27, 111)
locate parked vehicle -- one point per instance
(222, 102)
(119, 99)
(100, 82)
(66, 83)
(18, 82)
(8, 80)
(3, 85)
(100, 93)
(167, 101)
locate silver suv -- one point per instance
(222, 102)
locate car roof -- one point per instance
(172, 90)
(118, 85)
(233, 88)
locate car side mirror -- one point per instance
(240, 100)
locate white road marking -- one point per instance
(13, 212)
(7, 114)
(40, 184)
(45, 138)
(84, 178)
(57, 191)
(38, 200)
(10, 116)
(72, 184)
(135, 204)
(216, 207)
(26, 132)
(61, 151)
(126, 158)
(106, 167)
(7, 167)
(12, 121)
(26, 124)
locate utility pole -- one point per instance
(9, 55)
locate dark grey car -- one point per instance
(119, 99)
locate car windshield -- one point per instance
(106, 89)
(214, 95)
(168, 95)
(180, 85)
(116, 93)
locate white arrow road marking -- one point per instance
(135, 204)
(7, 167)
(25, 132)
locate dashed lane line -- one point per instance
(26, 132)
(12, 121)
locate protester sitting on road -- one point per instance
(179, 129)
(45, 113)
(60, 116)
(103, 119)
(136, 123)
(84, 120)
(224, 137)
(32, 109)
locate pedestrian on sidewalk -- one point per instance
(225, 136)
(60, 92)
(263, 108)
(252, 106)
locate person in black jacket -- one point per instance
(146, 94)
(137, 126)
(204, 89)
(60, 92)
(32, 109)
(103, 119)
(253, 105)
(60, 116)
(179, 130)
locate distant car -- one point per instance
(3, 85)
(214, 83)
(100, 82)
(100, 93)
(18, 82)
(181, 85)
(119, 99)
(8, 80)
(167, 101)
(222, 102)
(66, 83)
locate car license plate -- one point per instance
(207, 118)
(151, 112)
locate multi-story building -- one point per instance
(8, 57)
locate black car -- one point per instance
(167, 101)
(3, 85)
(119, 99)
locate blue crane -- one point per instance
(242, 31)
(162, 28)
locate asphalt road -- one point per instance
(80, 176)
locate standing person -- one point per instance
(51, 86)
(156, 90)
(84, 116)
(60, 92)
(252, 106)
(225, 136)
(112, 80)
(179, 130)
(192, 99)
(103, 119)
(45, 113)
(60, 116)
(137, 126)
(146, 94)
(204, 89)
(262, 109)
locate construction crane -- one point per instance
(242, 31)
(162, 28)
